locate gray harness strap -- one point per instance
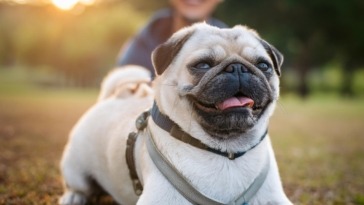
(248, 194)
(187, 190)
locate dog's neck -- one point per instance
(164, 122)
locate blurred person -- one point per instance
(162, 25)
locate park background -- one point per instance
(52, 62)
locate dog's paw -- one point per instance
(72, 198)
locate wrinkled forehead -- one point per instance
(237, 42)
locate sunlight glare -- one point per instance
(69, 4)
(65, 4)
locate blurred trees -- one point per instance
(311, 33)
(79, 46)
(316, 36)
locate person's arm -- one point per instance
(135, 52)
(138, 50)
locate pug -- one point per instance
(205, 139)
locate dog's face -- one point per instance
(223, 80)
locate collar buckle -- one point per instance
(231, 155)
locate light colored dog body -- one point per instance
(96, 148)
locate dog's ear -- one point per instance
(164, 54)
(274, 54)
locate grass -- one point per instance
(318, 144)
(319, 147)
(33, 132)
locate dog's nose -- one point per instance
(236, 67)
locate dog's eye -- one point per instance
(203, 65)
(263, 66)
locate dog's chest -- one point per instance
(213, 175)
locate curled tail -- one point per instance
(125, 82)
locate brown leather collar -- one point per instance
(164, 122)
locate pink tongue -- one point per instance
(236, 102)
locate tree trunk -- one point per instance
(347, 81)
(303, 68)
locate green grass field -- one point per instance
(318, 143)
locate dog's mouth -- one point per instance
(228, 117)
(233, 103)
